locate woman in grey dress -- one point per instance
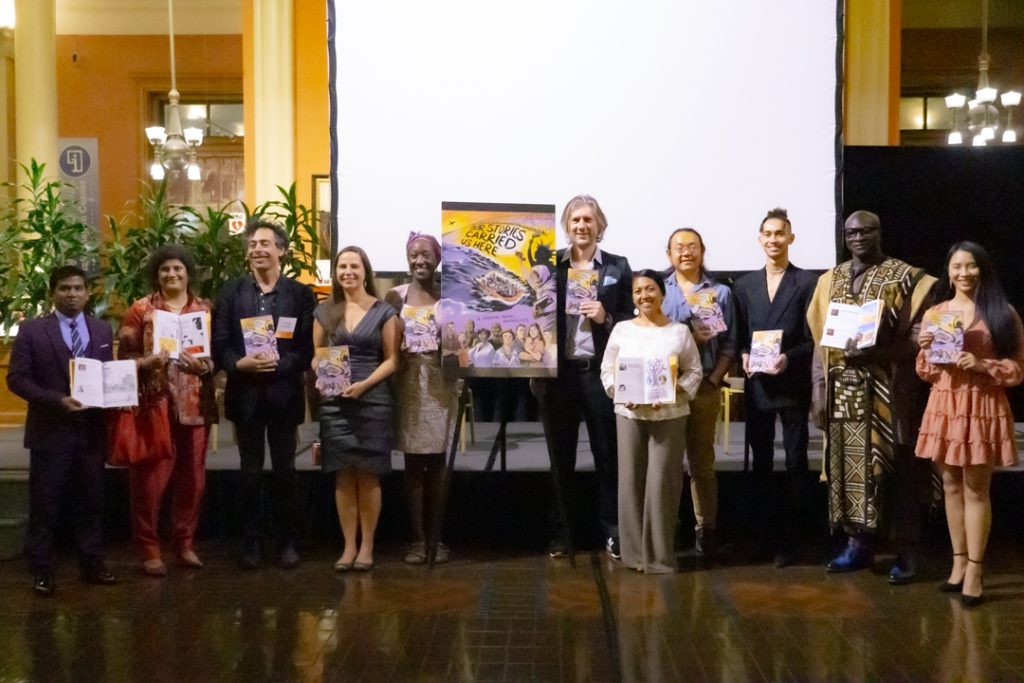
(427, 400)
(356, 428)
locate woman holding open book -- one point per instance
(967, 427)
(177, 322)
(356, 427)
(651, 369)
(427, 400)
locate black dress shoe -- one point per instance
(99, 575)
(948, 587)
(289, 558)
(43, 584)
(783, 558)
(251, 557)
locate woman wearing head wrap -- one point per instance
(426, 399)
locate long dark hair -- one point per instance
(989, 299)
(703, 249)
(336, 309)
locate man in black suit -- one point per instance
(776, 298)
(66, 440)
(578, 391)
(264, 395)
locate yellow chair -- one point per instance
(730, 387)
(467, 413)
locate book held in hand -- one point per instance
(705, 310)
(645, 381)
(333, 371)
(947, 328)
(765, 349)
(421, 333)
(259, 336)
(186, 332)
(851, 325)
(114, 384)
(580, 287)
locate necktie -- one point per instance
(76, 340)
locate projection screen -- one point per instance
(671, 113)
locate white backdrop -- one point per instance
(671, 113)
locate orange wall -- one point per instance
(312, 104)
(104, 94)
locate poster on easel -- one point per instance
(498, 302)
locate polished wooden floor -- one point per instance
(510, 618)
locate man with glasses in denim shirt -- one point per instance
(688, 276)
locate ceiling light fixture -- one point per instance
(173, 148)
(983, 116)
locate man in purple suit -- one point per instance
(65, 439)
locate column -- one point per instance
(35, 78)
(268, 61)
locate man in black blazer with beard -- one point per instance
(776, 298)
(264, 396)
(66, 440)
(577, 392)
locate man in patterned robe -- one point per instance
(870, 401)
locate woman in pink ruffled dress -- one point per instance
(968, 426)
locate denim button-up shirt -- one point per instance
(676, 308)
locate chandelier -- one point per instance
(173, 148)
(982, 117)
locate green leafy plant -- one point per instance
(40, 229)
(220, 256)
(132, 240)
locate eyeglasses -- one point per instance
(860, 232)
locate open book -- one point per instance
(645, 381)
(765, 347)
(580, 287)
(947, 328)
(333, 371)
(114, 384)
(186, 332)
(851, 325)
(259, 336)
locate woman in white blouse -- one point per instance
(651, 436)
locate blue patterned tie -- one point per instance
(76, 340)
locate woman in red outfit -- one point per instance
(182, 387)
(968, 427)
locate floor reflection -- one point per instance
(518, 619)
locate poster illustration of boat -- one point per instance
(497, 308)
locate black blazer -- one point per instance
(787, 312)
(280, 392)
(39, 373)
(614, 291)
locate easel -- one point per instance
(499, 447)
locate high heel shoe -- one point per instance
(972, 601)
(948, 587)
